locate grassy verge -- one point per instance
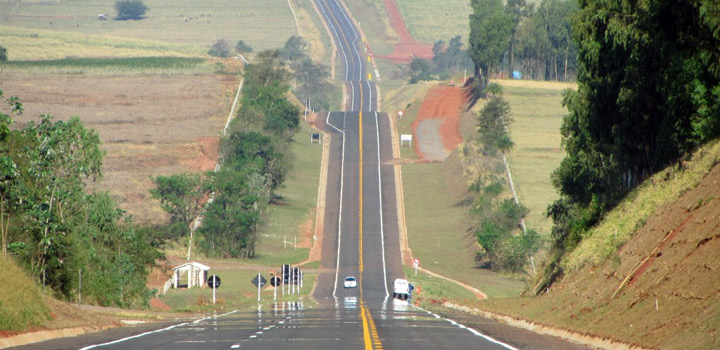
(294, 216)
(21, 302)
(236, 291)
(375, 24)
(429, 289)
(537, 111)
(429, 22)
(434, 216)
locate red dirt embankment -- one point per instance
(445, 103)
(407, 48)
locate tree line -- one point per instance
(648, 95)
(517, 36)
(255, 157)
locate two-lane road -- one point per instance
(361, 239)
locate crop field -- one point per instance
(190, 25)
(428, 21)
(537, 111)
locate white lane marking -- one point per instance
(352, 99)
(155, 331)
(352, 27)
(236, 346)
(486, 337)
(337, 37)
(380, 194)
(214, 316)
(342, 186)
(134, 336)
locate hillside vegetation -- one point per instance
(660, 288)
(21, 303)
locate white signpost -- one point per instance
(416, 263)
(405, 138)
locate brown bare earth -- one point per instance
(407, 48)
(660, 291)
(149, 125)
(443, 103)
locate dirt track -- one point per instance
(436, 129)
(407, 48)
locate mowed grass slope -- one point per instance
(430, 21)
(198, 24)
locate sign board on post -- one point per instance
(406, 138)
(259, 281)
(214, 282)
(416, 263)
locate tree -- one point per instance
(130, 9)
(3, 54)
(220, 48)
(492, 126)
(490, 30)
(241, 47)
(181, 196)
(294, 48)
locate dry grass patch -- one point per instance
(149, 125)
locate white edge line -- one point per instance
(473, 331)
(382, 229)
(135, 336)
(336, 37)
(342, 184)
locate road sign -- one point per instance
(259, 281)
(275, 281)
(416, 262)
(213, 281)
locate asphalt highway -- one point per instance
(361, 239)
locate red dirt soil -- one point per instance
(442, 102)
(407, 48)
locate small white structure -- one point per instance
(405, 138)
(195, 272)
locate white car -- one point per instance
(350, 282)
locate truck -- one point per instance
(401, 289)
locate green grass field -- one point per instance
(537, 112)
(428, 21)
(191, 26)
